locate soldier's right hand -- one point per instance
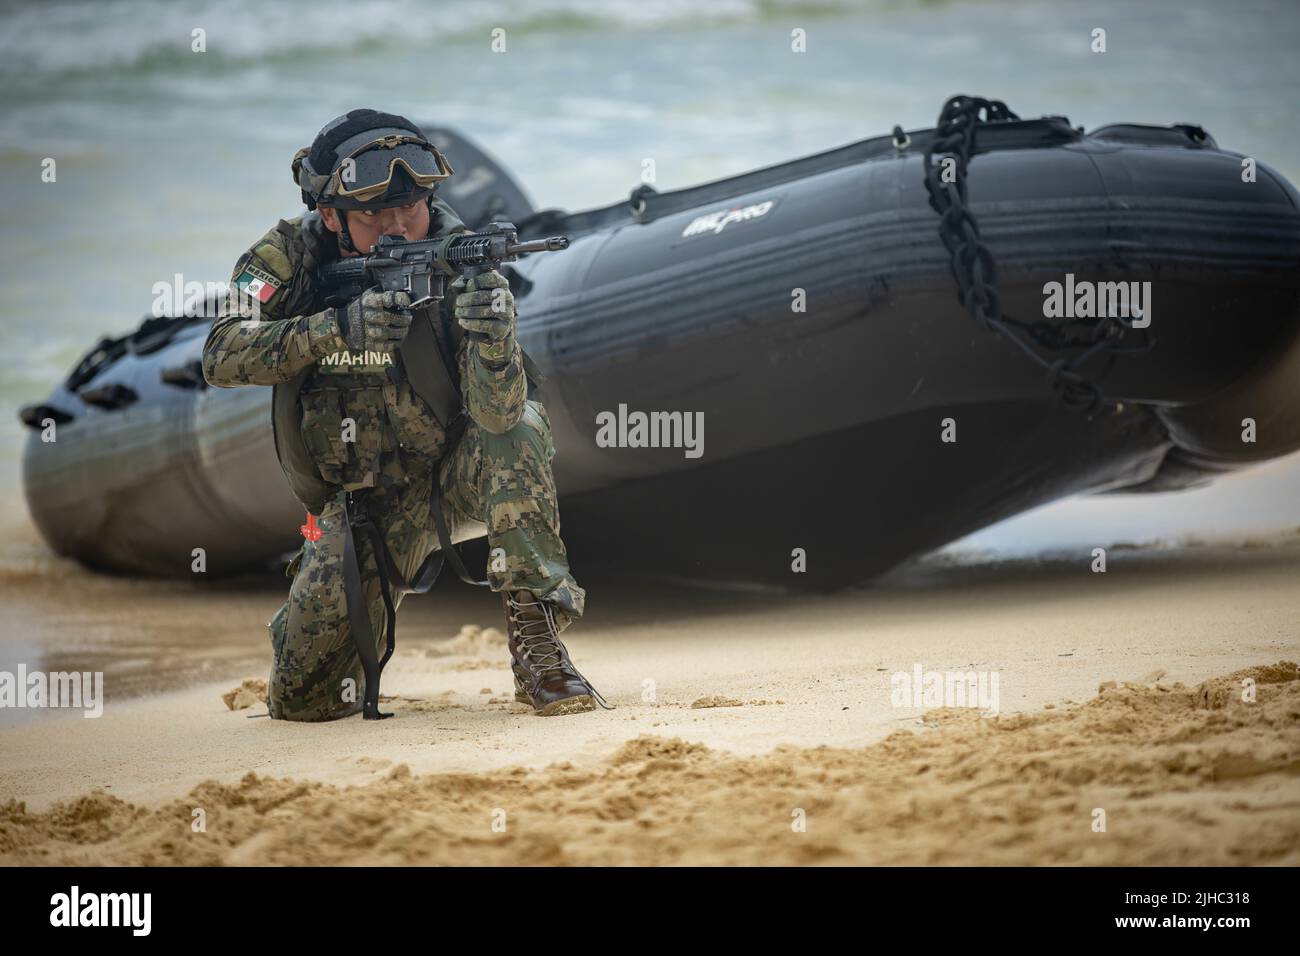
(376, 321)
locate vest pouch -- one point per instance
(295, 458)
(322, 430)
(364, 404)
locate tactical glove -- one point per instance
(487, 306)
(375, 321)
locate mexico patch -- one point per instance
(257, 283)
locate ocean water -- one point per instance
(174, 161)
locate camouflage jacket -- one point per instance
(396, 434)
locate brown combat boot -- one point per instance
(544, 675)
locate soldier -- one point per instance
(394, 464)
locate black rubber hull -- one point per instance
(822, 428)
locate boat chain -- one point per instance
(974, 268)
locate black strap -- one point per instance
(435, 509)
(432, 566)
(358, 609)
(391, 578)
(430, 378)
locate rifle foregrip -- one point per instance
(344, 270)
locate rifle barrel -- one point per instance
(551, 244)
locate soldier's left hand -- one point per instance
(487, 306)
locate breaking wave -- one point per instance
(46, 40)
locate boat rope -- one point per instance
(975, 270)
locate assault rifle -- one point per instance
(421, 267)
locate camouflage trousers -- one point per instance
(503, 481)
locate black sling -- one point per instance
(439, 392)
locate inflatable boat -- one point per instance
(854, 408)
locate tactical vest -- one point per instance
(428, 354)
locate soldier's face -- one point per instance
(367, 225)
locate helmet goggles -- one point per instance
(367, 172)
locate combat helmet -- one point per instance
(366, 159)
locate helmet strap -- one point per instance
(345, 237)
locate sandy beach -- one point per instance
(748, 728)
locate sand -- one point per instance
(749, 728)
(1141, 774)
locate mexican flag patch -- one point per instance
(257, 283)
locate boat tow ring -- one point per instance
(637, 200)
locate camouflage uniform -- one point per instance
(498, 473)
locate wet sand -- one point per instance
(737, 715)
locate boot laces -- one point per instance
(544, 647)
(541, 645)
